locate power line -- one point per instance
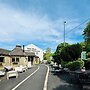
(77, 26)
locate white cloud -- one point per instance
(15, 25)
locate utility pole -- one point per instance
(64, 32)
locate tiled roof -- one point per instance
(4, 52)
(17, 51)
(30, 54)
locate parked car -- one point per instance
(2, 73)
(12, 74)
(20, 68)
(8, 68)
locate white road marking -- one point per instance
(25, 79)
(46, 79)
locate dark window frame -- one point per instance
(2, 61)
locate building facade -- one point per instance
(33, 48)
(17, 57)
(4, 57)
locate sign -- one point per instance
(83, 55)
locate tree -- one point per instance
(56, 58)
(47, 55)
(71, 52)
(86, 35)
(56, 55)
(60, 47)
(82, 44)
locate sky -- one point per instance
(41, 22)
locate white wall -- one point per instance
(32, 48)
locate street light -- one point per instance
(64, 32)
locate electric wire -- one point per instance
(77, 26)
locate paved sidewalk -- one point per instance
(61, 81)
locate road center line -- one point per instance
(46, 79)
(25, 79)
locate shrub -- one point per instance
(87, 64)
(48, 62)
(63, 63)
(75, 65)
(88, 54)
(71, 52)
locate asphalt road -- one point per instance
(35, 82)
(61, 81)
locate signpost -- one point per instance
(83, 55)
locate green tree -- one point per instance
(60, 47)
(82, 44)
(47, 55)
(56, 58)
(56, 55)
(71, 52)
(86, 34)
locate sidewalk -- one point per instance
(61, 81)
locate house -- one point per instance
(32, 48)
(31, 57)
(4, 57)
(18, 57)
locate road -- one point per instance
(61, 81)
(34, 81)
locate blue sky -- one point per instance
(40, 22)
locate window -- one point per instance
(36, 53)
(1, 59)
(29, 49)
(17, 59)
(13, 59)
(32, 49)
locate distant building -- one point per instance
(21, 57)
(32, 48)
(4, 57)
(17, 57)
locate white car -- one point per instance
(2, 73)
(12, 74)
(8, 68)
(20, 68)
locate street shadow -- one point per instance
(69, 82)
(68, 87)
(64, 76)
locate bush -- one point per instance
(88, 55)
(48, 62)
(87, 64)
(75, 65)
(63, 63)
(71, 52)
